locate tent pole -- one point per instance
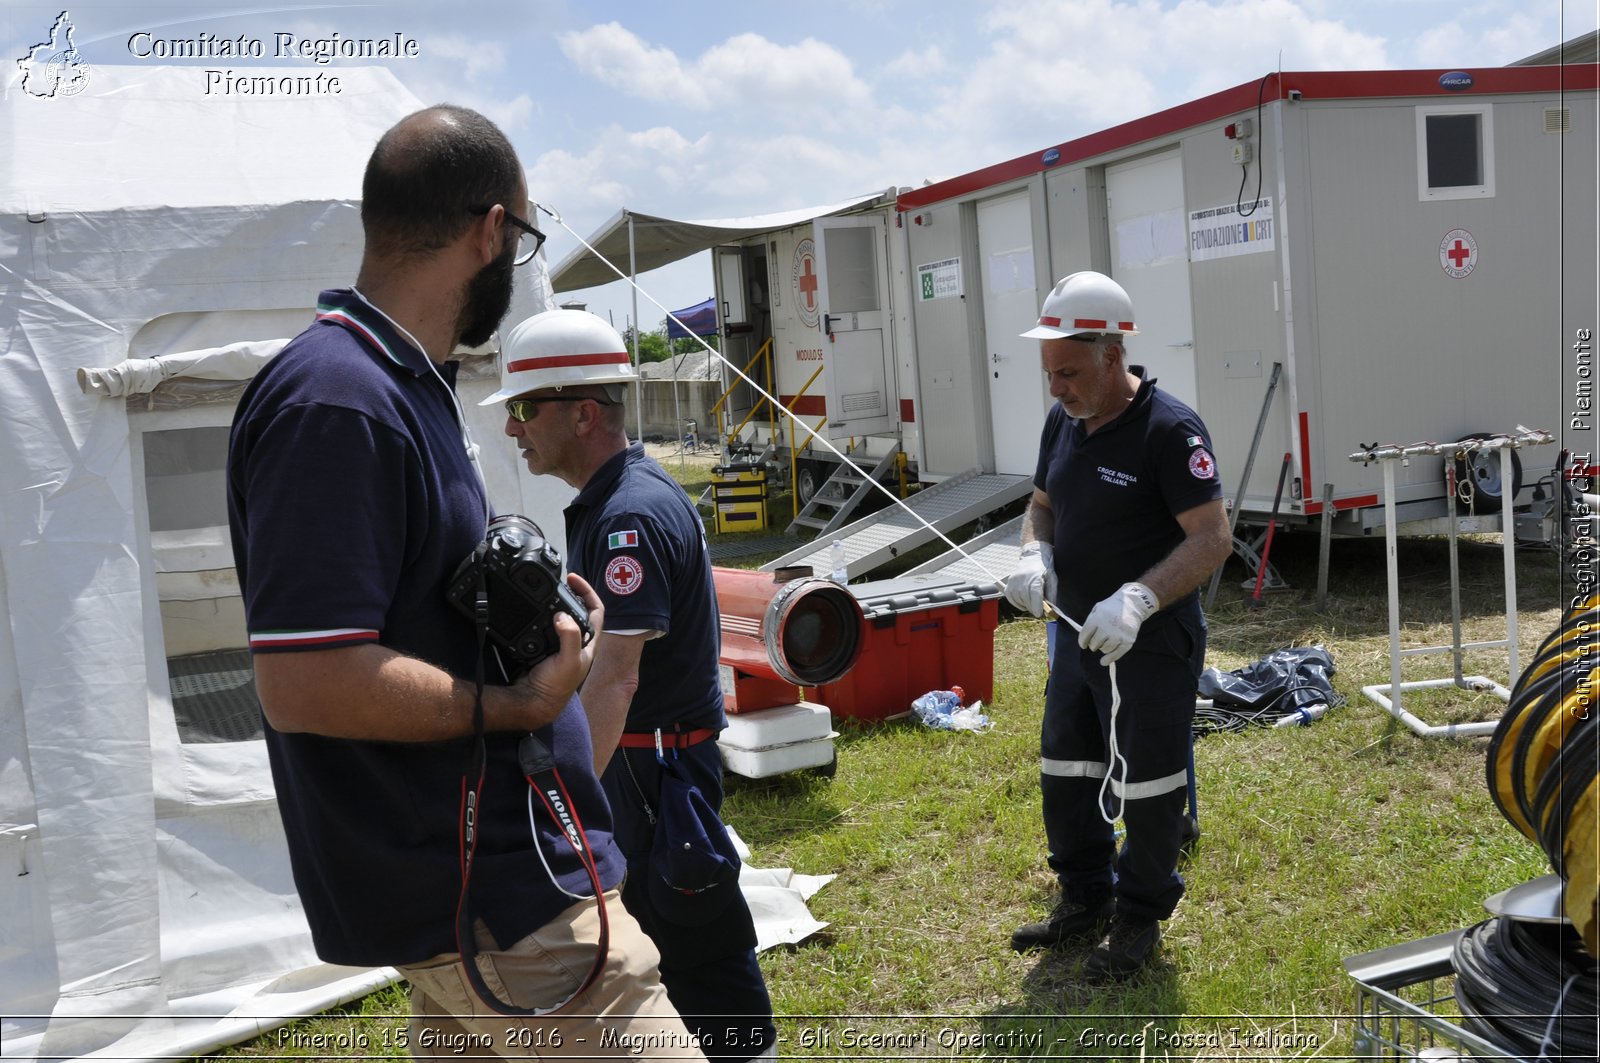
(633, 277)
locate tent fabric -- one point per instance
(660, 241)
(139, 376)
(697, 320)
(150, 232)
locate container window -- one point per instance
(1455, 152)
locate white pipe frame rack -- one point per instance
(1389, 696)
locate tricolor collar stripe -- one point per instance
(340, 316)
(312, 638)
(563, 360)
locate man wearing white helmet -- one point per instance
(1126, 521)
(654, 697)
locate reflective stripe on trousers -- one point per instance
(1091, 769)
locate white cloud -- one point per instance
(477, 60)
(1451, 44)
(916, 66)
(1054, 71)
(746, 74)
(617, 168)
(616, 57)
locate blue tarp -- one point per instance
(700, 318)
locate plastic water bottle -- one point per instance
(935, 704)
(1303, 716)
(841, 574)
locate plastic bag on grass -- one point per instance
(1278, 685)
(942, 710)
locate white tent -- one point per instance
(148, 905)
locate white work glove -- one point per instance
(1114, 623)
(1033, 581)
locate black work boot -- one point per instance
(1128, 945)
(1070, 923)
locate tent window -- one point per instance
(1455, 152)
(202, 615)
(185, 474)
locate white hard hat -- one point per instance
(1084, 302)
(561, 349)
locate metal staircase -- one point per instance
(838, 497)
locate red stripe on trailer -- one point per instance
(908, 411)
(1312, 85)
(805, 405)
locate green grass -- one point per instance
(1318, 843)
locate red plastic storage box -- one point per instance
(920, 633)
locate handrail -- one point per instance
(716, 407)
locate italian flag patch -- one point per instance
(618, 540)
(1193, 441)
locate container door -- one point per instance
(1150, 258)
(1018, 398)
(734, 335)
(853, 290)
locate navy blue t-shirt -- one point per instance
(1117, 492)
(636, 537)
(351, 502)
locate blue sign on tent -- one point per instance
(700, 319)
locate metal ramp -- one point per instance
(840, 493)
(885, 535)
(988, 557)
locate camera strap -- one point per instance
(539, 768)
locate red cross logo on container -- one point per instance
(803, 275)
(624, 575)
(1458, 253)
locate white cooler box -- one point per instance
(774, 741)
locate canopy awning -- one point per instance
(659, 241)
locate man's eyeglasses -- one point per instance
(521, 410)
(528, 241)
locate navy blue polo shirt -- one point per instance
(636, 537)
(1116, 492)
(351, 502)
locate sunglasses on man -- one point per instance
(521, 410)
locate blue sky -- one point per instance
(712, 109)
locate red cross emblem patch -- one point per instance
(624, 575)
(1201, 465)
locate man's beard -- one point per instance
(488, 298)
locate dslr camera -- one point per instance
(521, 573)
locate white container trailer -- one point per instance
(815, 298)
(1415, 248)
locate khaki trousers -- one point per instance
(624, 1015)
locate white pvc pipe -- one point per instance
(1508, 537)
(1391, 553)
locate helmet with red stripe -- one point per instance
(561, 349)
(1081, 303)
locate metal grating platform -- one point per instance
(989, 557)
(885, 535)
(214, 697)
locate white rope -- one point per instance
(1113, 748)
(1116, 695)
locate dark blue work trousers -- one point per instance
(1157, 680)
